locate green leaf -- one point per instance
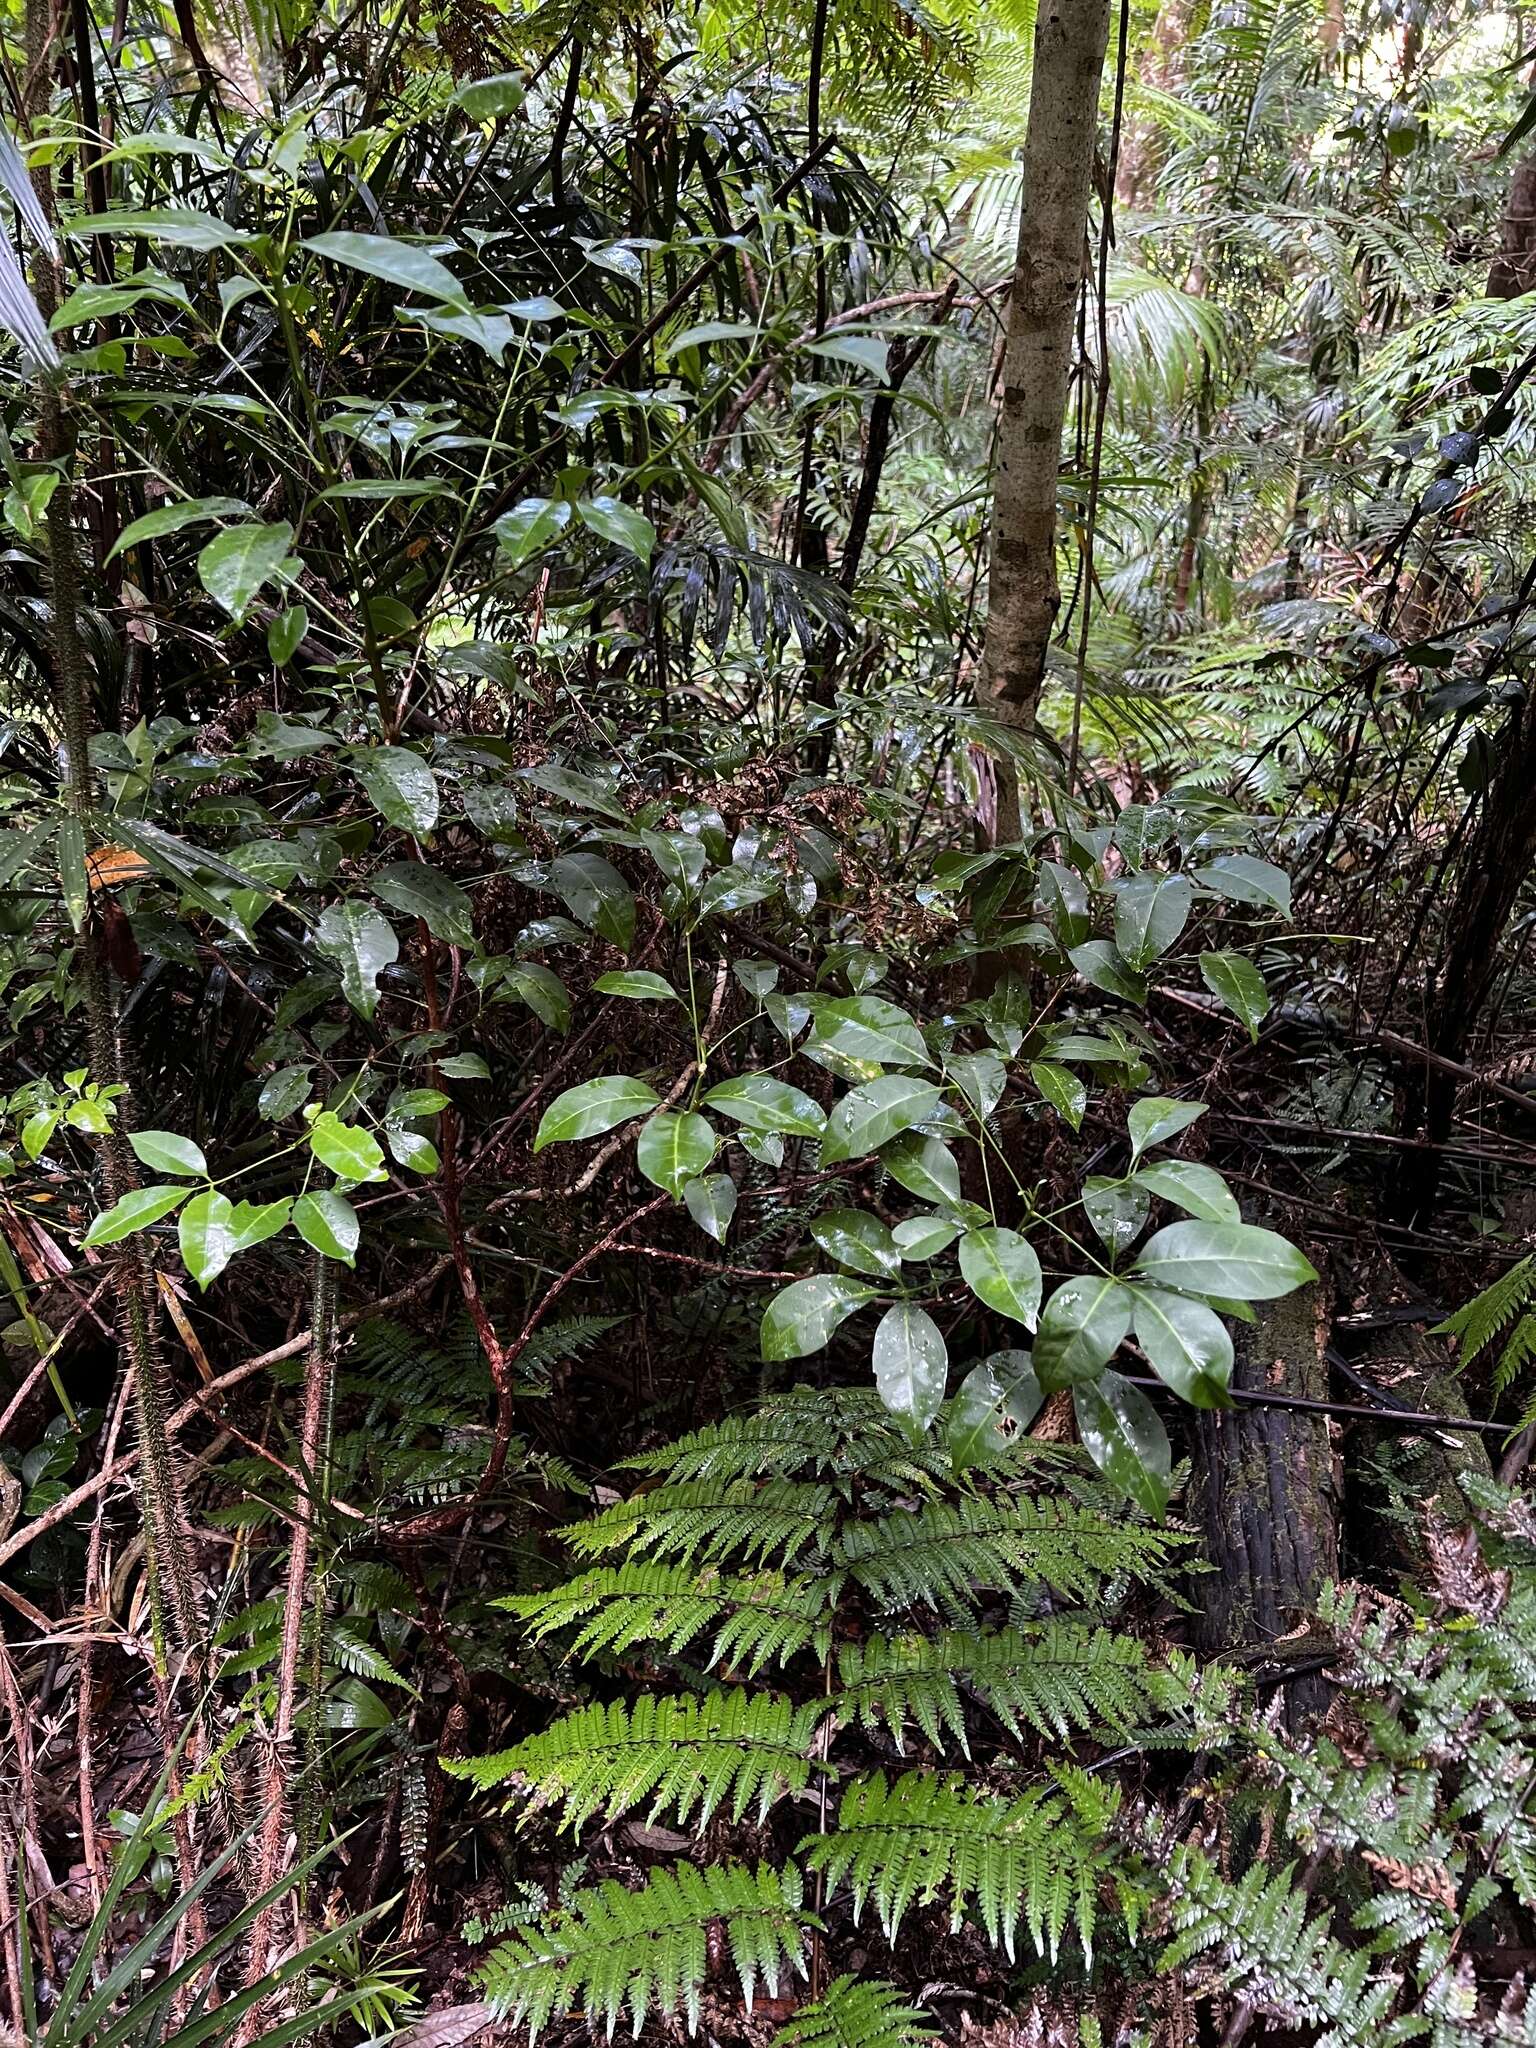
(464, 1066)
(980, 1077)
(362, 944)
(638, 986)
(284, 633)
(1122, 1434)
(1198, 1190)
(924, 1237)
(857, 1240)
(1064, 899)
(1084, 1325)
(135, 1211)
(1242, 879)
(868, 1028)
(621, 524)
(401, 264)
(924, 1166)
(166, 1152)
(328, 1223)
(864, 351)
(593, 1107)
(761, 1103)
(672, 1150)
(239, 560)
(183, 227)
(172, 518)
(347, 1149)
(911, 1364)
(712, 1203)
(253, 1223)
(37, 1130)
(597, 895)
(995, 1400)
(801, 1318)
(870, 1116)
(1102, 968)
(542, 990)
(74, 876)
(411, 1149)
(1150, 913)
(402, 786)
(206, 1235)
(1234, 980)
(282, 1093)
(1001, 1269)
(1187, 1346)
(528, 527)
(488, 99)
(1065, 1093)
(1157, 1118)
(416, 890)
(1236, 1259)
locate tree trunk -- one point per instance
(1513, 270)
(1070, 39)
(1266, 1497)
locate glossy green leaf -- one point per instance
(464, 1066)
(135, 1211)
(637, 985)
(253, 1223)
(711, 1201)
(402, 264)
(416, 890)
(283, 1092)
(1157, 1118)
(1150, 913)
(167, 1152)
(361, 944)
(205, 1230)
(870, 1116)
(924, 1166)
(1234, 980)
(168, 519)
(347, 1149)
(1001, 1269)
(328, 1223)
(1237, 1259)
(918, 1238)
(597, 895)
(994, 1402)
(238, 561)
(1242, 879)
(857, 1240)
(592, 1108)
(802, 1317)
(763, 1104)
(869, 1028)
(284, 633)
(1065, 1093)
(1117, 1209)
(980, 1077)
(1187, 1345)
(673, 1149)
(911, 1364)
(402, 787)
(622, 524)
(1083, 1325)
(542, 990)
(1125, 1438)
(1102, 968)
(528, 527)
(1197, 1190)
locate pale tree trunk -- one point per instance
(1070, 38)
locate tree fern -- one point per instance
(851, 2014)
(613, 1949)
(1480, 1320)
(844, 1435)
(942, 1554)
(758, 1618)
(1059, 1678)
(684, 1756)
(923, 1837)
(740, 1522)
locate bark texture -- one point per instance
(1266, 1496)
(1023, 594)
(1513, 270)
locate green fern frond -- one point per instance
(942, 1554)
(759, 1618)
(1517, 1354)
(850, 2014)
(1058, 1678)
(741, 1522)
(906, 1843)
(840, 1435)
(648, 1950)
(1286, 1964)
(684, 1756)
(1481, 1319)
